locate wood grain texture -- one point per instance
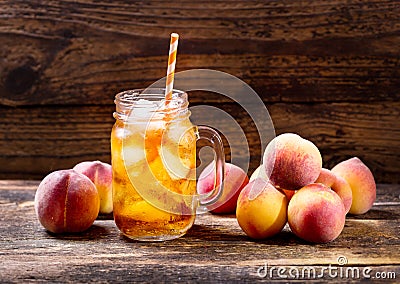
(58, 52)
(35, 141)
(328, 70)
(214, 250)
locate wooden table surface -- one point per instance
(214, 250)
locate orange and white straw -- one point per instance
(173, 47)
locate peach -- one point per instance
(66, 201)
(361, 182)
(260, 173)
(261, 209)
(338, 185)
(101, 175)
(234, 180)
(343, 189)
(291, 161)
(316, 214)
(289, 193)
(326, 177)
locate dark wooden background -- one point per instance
(327, 70)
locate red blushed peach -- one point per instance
(361, 182)
(101, 175)
(261, 209)
(292, 162)
(316, 214)
(338, 185)
(326, 177)
(234, 180)
(66, 201)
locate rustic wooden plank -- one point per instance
(68, 52)
(35, 141)
(215, 249)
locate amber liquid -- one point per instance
(159, 159)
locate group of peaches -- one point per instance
(69, 201)
(290, 186)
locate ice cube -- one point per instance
(174, 165)
(133, 155)
(143, 109)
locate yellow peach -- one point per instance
(261, 209)
(259, 173)
(361, 181)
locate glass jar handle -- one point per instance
(213, 138)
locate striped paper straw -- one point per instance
(173, 46)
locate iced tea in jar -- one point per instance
(153, 148)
